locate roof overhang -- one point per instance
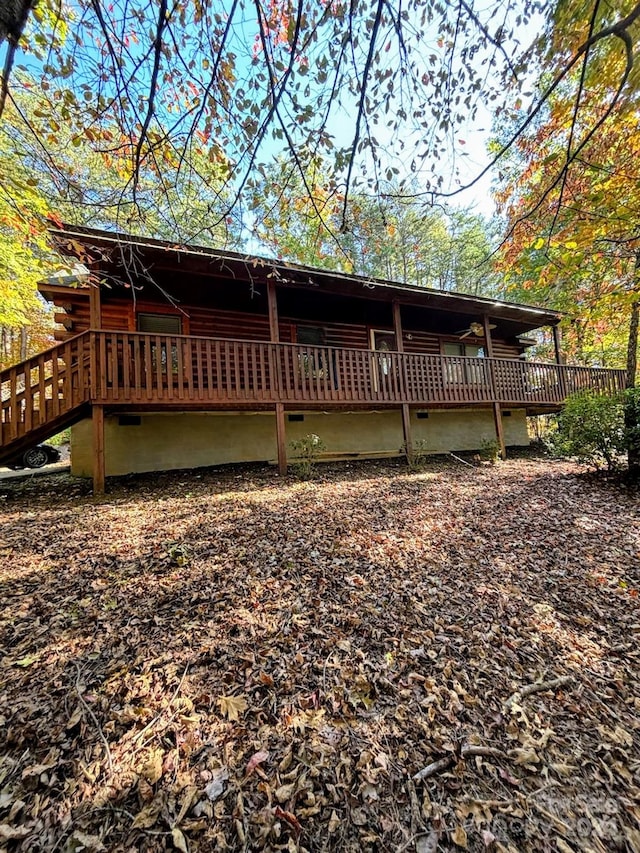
(124, 256)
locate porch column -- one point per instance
(557, 347)
(95, 306)
(497, 410)
(97, 417)
(557, 344)
(274, 335)
(272, 302)
(406, 411)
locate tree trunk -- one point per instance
(632, 346)
(632, 404)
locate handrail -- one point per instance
(44, 388)
(149, 368)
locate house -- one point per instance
(174, 356)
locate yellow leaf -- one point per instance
(179, 841)
(459, 837)
(285, 792)
(539, 243)
(334, 821)
(152, 768)
(524, 756)
(147, 818)
(232, 706)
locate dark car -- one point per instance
(34, 457)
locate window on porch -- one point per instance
(312, 362)
(464, 372)
(161, 324)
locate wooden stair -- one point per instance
(43, 395)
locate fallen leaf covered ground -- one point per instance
(375, 660)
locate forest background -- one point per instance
(363, 136)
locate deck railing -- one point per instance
(44, 388)
(177, 369)
(136, 369)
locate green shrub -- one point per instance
(418, 457)
(307, 451)
(63, 437)
(591, 428)
(489, 450)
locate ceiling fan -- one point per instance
(476, 329)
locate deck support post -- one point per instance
(406, 430)
(406, 412)
(97, 417)
(497, 410)
(497, 419)
(281, 438)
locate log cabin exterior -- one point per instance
(175, 357)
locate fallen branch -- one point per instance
(464, 461)
(434, 767)
(93, 717)
(537, 687)
(471, 750)
(468, 750)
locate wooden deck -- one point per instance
(121, 370)
(133, 368)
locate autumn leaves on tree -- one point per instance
(167, 120)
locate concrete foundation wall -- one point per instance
(466, 430)
(162, 442)
(178, 440)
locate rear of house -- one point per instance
(174, 357)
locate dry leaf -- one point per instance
(232, 706)
(285, 792)
(89, 842)
(488, 838)
(459, 837)
(290, 818)
(148, 817)
(334, 821)
(75, 718)
(179, 841)
(216, 786)
(152, 768)
(7, 832)
(526, 757)
(256, 759)
(188, 797)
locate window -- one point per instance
(162, 324)
(313, 335)
(312, 364)
(463, 371)
(468, 350)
